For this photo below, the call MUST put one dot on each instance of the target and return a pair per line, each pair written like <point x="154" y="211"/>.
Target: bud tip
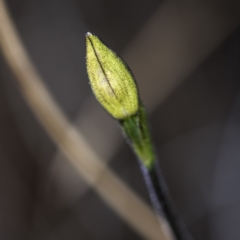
<point x="88" y="34"/>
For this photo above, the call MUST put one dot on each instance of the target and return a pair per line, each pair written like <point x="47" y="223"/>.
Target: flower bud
<point x="111" y="80"/>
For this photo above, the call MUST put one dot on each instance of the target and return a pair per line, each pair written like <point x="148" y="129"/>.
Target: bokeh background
<point x="185" y="56"/>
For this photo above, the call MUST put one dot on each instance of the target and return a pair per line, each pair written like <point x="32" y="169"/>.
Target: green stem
<point x="135" y="129"/>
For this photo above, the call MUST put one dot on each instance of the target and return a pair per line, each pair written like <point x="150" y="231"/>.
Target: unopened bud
<point x="111" y="80"/>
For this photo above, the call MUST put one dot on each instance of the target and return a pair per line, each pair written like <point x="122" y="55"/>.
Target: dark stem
<point x="161" y="200"/>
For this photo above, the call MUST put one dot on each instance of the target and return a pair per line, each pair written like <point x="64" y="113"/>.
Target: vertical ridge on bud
<point x="111" y="80"/>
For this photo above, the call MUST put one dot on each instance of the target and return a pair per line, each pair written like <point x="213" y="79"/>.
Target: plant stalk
<point x="135" y="129"/>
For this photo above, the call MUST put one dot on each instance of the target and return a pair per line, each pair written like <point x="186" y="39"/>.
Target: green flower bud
<point x="111" y="80"/>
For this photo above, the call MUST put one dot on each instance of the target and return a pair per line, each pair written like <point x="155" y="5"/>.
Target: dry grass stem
<point x="112" y="190"/>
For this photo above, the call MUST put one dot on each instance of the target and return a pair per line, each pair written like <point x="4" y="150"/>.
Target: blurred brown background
<point x="185" y="56"/>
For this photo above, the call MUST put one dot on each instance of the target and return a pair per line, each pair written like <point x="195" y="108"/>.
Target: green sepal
<point x="136" y="130"/>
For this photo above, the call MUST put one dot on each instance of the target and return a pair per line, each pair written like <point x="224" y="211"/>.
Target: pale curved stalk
<point x="111" y="189"/>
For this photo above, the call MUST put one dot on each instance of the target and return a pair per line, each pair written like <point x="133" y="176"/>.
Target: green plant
<point x="115" y="88"/>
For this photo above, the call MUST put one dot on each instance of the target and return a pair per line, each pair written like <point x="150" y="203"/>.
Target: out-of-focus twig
<point x="112" y="190"/>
